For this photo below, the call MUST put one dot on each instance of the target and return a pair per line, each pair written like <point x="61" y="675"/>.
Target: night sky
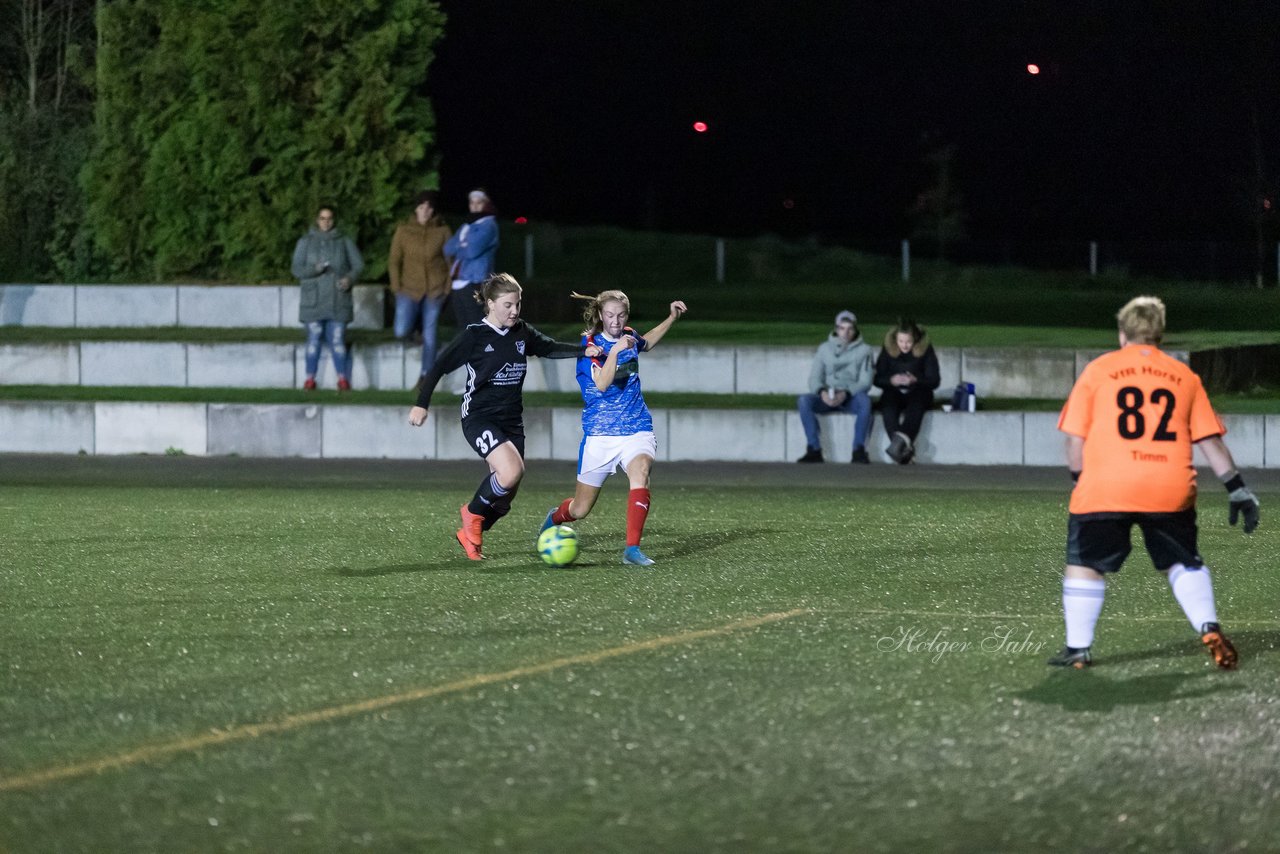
<point x="1141" y="124"/>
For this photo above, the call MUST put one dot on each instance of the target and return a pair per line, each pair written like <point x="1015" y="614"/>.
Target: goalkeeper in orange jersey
<point x="1131" y="421"/>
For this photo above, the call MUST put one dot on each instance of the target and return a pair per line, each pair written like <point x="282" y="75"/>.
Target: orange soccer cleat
<point x="471" y="534"/>
<point x="1077" y="658"/>
<point x="1224" y="654"/>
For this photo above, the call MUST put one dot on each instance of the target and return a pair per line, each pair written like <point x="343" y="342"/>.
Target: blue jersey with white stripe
<point x="620" y="409"/>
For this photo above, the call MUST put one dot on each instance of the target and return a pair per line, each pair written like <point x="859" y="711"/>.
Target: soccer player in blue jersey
<point x="495" y="352"/>
<point x="617" y="430"/>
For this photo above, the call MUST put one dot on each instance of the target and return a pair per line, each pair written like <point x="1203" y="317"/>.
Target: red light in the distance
<point x="700" y="127"/>
<point x="1032" y="68"/>
<point x="521" y="221"/>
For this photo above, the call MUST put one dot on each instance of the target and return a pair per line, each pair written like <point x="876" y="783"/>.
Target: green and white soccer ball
<point x="558" y="545"/>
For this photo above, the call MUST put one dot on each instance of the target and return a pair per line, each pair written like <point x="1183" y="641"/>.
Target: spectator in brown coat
<point x="419" y="274"/>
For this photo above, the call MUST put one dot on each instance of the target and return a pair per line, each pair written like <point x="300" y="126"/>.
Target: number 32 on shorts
<point x="485" y="442"/>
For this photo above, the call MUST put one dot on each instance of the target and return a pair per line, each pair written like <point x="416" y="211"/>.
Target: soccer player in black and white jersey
<point x="495" y="353"/>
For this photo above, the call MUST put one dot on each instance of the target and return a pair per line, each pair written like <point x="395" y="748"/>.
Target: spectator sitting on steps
<point x="907" y="372"/>
<point x="839" y="378"/>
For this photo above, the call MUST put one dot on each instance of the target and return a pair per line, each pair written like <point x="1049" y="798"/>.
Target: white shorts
<point x="600" y="456"/>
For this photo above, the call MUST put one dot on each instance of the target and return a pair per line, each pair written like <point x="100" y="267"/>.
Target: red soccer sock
<point x="637" y="512"/>
<point x="561" y="514"/>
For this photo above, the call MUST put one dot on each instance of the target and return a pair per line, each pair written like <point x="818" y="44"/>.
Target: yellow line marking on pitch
<point x="291" y="722"/>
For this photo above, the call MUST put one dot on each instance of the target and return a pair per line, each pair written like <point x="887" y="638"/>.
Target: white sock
<point x="1081" y="605"/>
<point x="1194" y="591"/>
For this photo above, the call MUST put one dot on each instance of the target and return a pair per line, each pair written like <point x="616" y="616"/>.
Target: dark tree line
<point x="46" y="107"/>
<point x="153" y="139"/>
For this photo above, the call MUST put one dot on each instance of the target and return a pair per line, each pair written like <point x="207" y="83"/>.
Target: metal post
<point x="906" y="260"/>
<point x="1093" y="258"/>
<point x="720" y="260"/>
<point x="528" y="256"/>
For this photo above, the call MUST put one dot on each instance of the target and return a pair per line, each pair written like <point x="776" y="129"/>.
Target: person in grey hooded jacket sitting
<point x="839" y="378"/>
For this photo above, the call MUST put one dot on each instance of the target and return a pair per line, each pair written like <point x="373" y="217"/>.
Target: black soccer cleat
<point x="1224" y="654"/>
<point x="1072" y="656"/>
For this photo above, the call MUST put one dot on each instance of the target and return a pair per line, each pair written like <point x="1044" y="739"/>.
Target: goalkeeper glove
<point x="1243" y="501"/>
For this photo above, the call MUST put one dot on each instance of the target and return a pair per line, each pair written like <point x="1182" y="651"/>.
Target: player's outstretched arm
<point x="654" y="335"/>
<point x="1242" y="500"/>
<point x="603" y="374"/>
<point x="546" y="347"/>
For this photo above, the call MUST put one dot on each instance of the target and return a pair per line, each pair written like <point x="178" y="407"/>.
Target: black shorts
<point x="1100" y="541"/>
<point x="484" y="433"/>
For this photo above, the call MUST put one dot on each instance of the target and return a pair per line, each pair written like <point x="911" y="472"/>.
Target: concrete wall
<point x="241" y="366"/>
<point x="261" y="430"/>
<point x="241" y="306"/>
<point x="227" y="306"/>
<point x="150" y="428"/>
<point x="313" y="430"/>
<point x="40" y="364"/>
<point x="711" y="370"/>
<point x="37" y="305"/>
<point x="124" y="305"/>
<point x="47" y="427"/>
<point x="380" y="432"/>
<point x="133" y="363"/>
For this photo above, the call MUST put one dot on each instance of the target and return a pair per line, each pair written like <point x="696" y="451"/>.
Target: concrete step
<point x="1026" y="373"/>
<point x="342" y="431"/>
<point x="221" y="306"/>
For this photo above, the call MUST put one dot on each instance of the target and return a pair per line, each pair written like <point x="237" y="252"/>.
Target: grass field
<point x="210" y="655"/>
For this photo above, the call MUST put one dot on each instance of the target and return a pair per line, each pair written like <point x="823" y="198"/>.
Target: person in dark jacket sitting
<point x="907" y="372"/>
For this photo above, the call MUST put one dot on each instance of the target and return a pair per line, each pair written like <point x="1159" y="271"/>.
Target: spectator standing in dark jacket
<point x="907" y="372"/>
